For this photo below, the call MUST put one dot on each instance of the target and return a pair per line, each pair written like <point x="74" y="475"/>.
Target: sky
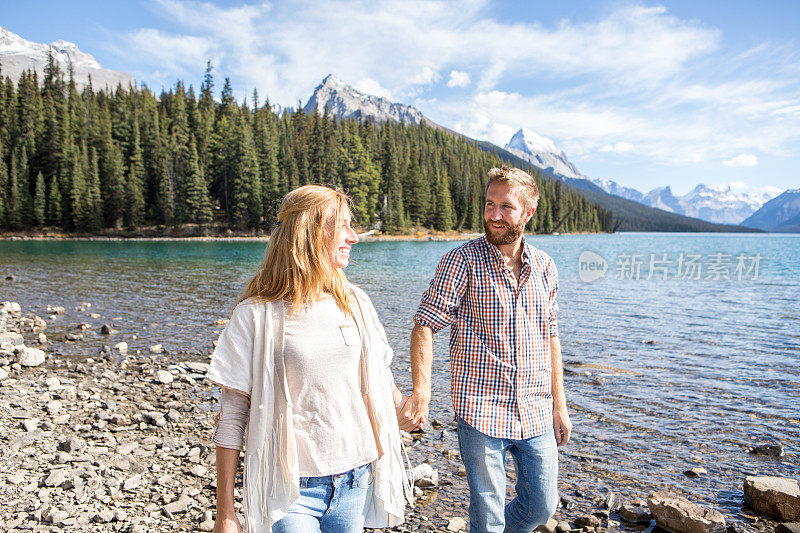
<point x="647" y="94"/>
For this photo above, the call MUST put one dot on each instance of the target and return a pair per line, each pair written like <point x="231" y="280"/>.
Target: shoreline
<point x="121" y="441"/>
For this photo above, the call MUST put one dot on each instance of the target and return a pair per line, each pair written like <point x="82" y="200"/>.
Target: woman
<point x="304" y="364"/>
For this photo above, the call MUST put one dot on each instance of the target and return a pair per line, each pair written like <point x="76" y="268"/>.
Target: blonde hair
<point x="297" y="266"/>
<point x="530" y="192"/>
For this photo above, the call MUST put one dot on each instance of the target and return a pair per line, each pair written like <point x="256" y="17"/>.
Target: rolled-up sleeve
<point x="440" y="303"/>
<point x="552" y="303"/>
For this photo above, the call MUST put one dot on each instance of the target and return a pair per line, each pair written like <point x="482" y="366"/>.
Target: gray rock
<point x="563" y="527"/>
<point x="181" y="505"/>
<point x="588" y="521"/>
<point x="73" y="337"/>
<point x="695" y="472"/>
<point x="30" y="424"/>
<point x="72" y="444"/>
<point x="132" y="483"/>
<point x="3" y="374"/>
<point x="104" y="516"/>
<point x="678" y="514"/>
<point x="769" y="450"/>
<point x="778" y="497"/>
<point x="31" y="356"/>
<point x="425" y="476"/>
<point x="635" y="512"/>
<point x="456" y="524"/>
<point x="163" y="377"/>
<point x="788" y="528"/>
<point x="55" y="478"/>
<point x="15" y="339"/>
<point x="549" y="527"/>
<point x="199" y="471"/>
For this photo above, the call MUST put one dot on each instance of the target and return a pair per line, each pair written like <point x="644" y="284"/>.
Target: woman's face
<point x="340" y="239"/>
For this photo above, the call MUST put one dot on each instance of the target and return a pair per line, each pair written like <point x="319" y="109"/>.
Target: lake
<point x="681" y="350"/>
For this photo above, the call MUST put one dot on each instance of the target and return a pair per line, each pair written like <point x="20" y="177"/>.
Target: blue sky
<point x="647" y="94"/>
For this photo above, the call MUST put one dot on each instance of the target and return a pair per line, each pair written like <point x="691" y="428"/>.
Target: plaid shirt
<point x="500" y="336"/>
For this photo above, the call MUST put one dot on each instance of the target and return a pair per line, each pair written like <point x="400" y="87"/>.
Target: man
<point x="499" y="295"/>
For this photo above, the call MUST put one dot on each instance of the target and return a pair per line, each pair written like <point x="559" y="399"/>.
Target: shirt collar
<point x="495" y="252"/>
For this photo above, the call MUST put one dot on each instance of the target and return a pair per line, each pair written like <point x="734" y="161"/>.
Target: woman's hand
<point x="227" y="524"/>
<point x="399" y="406"/>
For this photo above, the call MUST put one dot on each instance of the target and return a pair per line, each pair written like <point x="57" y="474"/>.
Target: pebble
<point x="164" y="377"/>
<point x="156" y="348"/>
<point x="31" y="356"/>
<point x="72" y="444"/>
<point x="199" y="471"/>
<point x="456" y="524"/>
<point x="768" y="450"/>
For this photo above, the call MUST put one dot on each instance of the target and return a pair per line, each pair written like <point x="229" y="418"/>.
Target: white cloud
<point x="742" y="160"/>
<point x="618" y="147"/>
<point x="458" y="78"/>
<point x="370" y="86"/>
<point x="635" y="73"/>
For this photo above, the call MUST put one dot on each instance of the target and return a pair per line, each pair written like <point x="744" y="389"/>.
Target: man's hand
<point x="413" y="413"/>
<point x="227" y="524"/>
<point x="562" y="426"/>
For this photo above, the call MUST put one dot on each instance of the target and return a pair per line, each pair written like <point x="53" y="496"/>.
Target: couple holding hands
<point x="306" y="384"/>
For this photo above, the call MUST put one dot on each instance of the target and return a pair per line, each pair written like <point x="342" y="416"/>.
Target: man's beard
<point x="511" y="234"/>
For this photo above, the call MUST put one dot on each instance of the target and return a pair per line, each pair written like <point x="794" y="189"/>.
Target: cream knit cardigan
<point x="249" y="358"/>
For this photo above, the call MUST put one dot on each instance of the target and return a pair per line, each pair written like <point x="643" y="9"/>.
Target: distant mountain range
<point x="719" y="205"/>
<point x="781" y="214"/>
<point x="526" y="146"/>
<point x="18" y="55"/>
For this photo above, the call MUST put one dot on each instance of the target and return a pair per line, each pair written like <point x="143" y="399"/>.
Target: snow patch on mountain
<point x="18" y="55"/>
<point x="344" y="101"/>
<point x="541" y="152"/>
<point x="721" y="204"/>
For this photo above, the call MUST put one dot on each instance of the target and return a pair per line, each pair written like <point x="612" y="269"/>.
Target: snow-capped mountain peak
<point x="18" y="55"/>
<point x="541" y="152"/>
<point x="344" y="101"/>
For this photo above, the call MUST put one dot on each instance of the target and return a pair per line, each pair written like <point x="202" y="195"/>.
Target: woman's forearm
<point x="227" y="464"/>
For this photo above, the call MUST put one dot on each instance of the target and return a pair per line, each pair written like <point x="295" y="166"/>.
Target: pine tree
<point x="95" y="221"/>
<point x="361" y="179"/>
<point x="39" y="201"/>
<point x="246" y="199"/>
<point x="198" y="206"/>
<point x="443" y="216"/>
<point x="417" y="193"/>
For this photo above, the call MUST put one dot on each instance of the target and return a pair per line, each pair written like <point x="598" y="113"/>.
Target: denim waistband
<point x="350" y="477"/>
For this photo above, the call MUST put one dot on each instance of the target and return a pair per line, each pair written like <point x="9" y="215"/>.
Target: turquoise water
<point x="662" y="374"/>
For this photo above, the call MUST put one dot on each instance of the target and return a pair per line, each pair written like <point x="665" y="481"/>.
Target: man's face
<point x="504" y="216"/>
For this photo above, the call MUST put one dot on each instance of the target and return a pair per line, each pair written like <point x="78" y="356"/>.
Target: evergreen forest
<point x="87" y="161"/>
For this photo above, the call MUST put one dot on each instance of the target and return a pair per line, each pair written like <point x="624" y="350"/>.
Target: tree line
<point x="87" y="160"/>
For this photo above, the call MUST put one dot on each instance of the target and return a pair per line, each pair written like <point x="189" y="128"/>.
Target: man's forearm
<point x="557" y="374"/>
<point x="227" y="464"/>
<point x="421" y="360"/>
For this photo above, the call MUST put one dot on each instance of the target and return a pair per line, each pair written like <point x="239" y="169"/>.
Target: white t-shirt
<point x="322" y="353"/>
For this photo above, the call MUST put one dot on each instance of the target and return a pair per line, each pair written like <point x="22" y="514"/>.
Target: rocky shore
<point x="121" y="441"/>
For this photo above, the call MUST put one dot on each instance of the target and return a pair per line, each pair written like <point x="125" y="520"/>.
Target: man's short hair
<point x="529" y="193"/>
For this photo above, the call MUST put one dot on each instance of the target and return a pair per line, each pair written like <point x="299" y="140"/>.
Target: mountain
<point x="344" y="101"/>
<point x="718" y="204"/>
<point x="541" y="152"/>
<point x="612" y="187"/>
<point x="782" y="213"/>
<point x="18" y="55"/>
<point x="525" y="149"/>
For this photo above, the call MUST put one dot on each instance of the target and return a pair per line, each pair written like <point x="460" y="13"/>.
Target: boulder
<point x="635" y="512"/>
<point x="14" y="339"/>
<point x="778" y="497"/>
<point x="456" y="524"/>
<point x="678" y="514"/>
<point x="425" y="476"/>
<point x="588" y="520"/>
<point x="31" y="356"/>
<point x="788" y="528"/>
<point x="549" y="527"/>
<point x="769" y="450"/>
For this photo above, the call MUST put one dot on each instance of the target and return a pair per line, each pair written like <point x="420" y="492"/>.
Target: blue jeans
<point x="335" y="504"/>
<point x="536" y="461"/>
